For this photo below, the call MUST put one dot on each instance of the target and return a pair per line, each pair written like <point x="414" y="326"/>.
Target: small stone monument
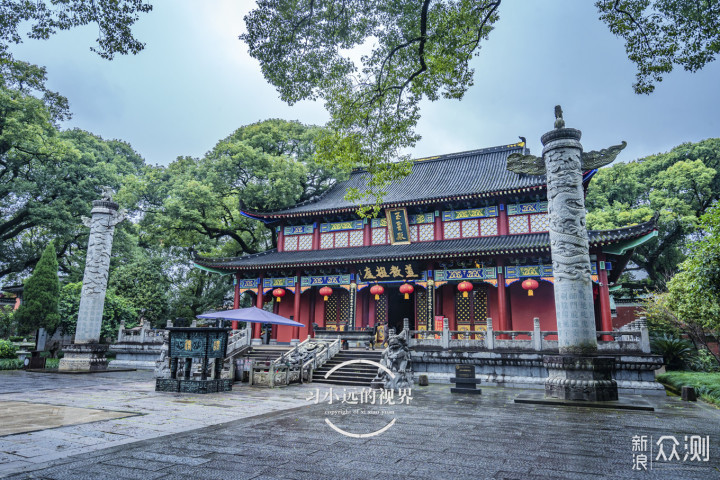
<point x="577" y="373"/>
<point x="465" y="380"/>
<point x="86" y="352"/>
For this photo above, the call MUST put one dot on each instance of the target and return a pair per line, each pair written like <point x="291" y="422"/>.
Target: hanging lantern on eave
<point x="377" y="290"/>
<point x="465" y="287"/>
<point x="530" y="284"/>
<point x="407" y="289"/>
<point x="278" y="293"/>
<point x="326" y="292"/>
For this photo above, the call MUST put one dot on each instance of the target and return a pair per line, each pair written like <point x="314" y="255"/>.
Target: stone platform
<point x="84" y="357"/>
<point x="634" y="372"/>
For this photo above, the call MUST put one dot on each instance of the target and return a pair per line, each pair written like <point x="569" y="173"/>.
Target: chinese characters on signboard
<point x="648" y="453"/>
<point x="398" y="226"/>
<point x="389" y="271"/>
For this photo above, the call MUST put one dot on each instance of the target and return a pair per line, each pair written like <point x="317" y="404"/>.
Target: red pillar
<point x="276" y="311"/>
<point x="316" y="236"/>
<point x="438" y="227"/>
<point x="503" y="226"/>
<point x="236" y="299"/>
<point x="367" y="235"/>
<point x="311" y="318"/>
<point x="296" y="308"/>
<point x="503" y="323"/>
<point x="281" y="240"/>
<point x="604" y="293"/>
<point x="259" y="304"/>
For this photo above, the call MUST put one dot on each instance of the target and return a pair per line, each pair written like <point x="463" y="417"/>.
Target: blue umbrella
<point x="251" y="315"/>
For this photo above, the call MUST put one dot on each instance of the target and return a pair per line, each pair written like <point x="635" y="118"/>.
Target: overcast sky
<point x="195" y="83"/>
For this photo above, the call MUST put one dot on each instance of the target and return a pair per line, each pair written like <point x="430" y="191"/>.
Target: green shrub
<point x="52" y="363"/>
<point x="16" y="338"/>
<point x="707" y="385"/>
<point x="10" y="364"/>
<point x="704" y="361"/>
<point x="8" y="325"/>
<point x="676" y="351"/>
<point x="7" y="349"/>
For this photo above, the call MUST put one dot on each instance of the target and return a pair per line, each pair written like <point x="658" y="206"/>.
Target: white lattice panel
<point x="291" y="243"/>
<point x="326" y="240"/>
<point x="356" y="238"/>
<point x="413" y="233"/>
<point x="539" y="223"/>
<point x="305" y="242"/>
<point x="519" y="224"/>
<point x="379" y="236"/>
<point x="341" y="239"/>
<point x="426" y="233"/>
<point x="470" y="228"/>
<point x="452" y="230"/>
<point x="488" y="227"/>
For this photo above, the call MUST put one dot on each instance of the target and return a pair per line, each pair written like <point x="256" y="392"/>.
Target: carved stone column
<point x="87" y="353"/>
<point x="575" y="374"/>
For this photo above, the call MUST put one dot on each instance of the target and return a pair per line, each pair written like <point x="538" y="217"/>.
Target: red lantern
<point x="465" y="287"/>
<point x="407" y="289"/>
<point x="377" y="290"/>
<point x="279" y="293"/>
<point x="326" y="292"/>
<point x="530" y="284"/>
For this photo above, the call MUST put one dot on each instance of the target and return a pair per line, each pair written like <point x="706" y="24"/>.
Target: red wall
<point x="524" y="308"/>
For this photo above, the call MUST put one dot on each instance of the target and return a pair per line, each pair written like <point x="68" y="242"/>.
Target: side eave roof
<point x="444" y="249"/>
<point x="473" y="174"/>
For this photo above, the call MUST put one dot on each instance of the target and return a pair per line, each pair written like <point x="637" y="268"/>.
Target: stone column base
<point x="575" y="377"/>
<point x="84" y="357"/>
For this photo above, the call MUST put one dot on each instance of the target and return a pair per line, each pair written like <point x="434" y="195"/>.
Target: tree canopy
<point x="676" y="187"/>
<point x="422" y="50"/>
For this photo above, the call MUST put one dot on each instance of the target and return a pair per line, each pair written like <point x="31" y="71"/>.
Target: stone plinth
<point x="575" y="377"/>
<point x="84" y="357"/>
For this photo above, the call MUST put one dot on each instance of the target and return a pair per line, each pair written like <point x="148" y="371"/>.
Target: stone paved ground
<point x="438" y="435"/>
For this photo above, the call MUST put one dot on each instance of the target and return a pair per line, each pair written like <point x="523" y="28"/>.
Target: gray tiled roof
<point x="466" y="247"/>
<point x="474" y="173"/>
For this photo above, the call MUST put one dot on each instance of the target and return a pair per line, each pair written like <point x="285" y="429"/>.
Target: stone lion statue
<point x="395" y="358"/>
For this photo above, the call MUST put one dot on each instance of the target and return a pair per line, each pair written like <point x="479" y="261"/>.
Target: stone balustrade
<point x="635" y="340"/>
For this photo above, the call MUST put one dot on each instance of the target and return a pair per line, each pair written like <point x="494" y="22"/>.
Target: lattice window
<point x="381" y="307"/>
<point x="462" y="308"/>
<point x="426" y="232"/>
<point x="488" y="227"/>
<point x="480" y="305"/>
<point x="291" y="243"/>
<point x="356" y="238"/>
<point x="344" y="307"/>
<point x="379" y="236"/>
<point x="539" y="222"/>
<point x="452" y="230"/>
<point x="331" y="309"/>
<point x="341" y="239"/>
<point x="421" y="308"/>
<point x="327" y="240"/>
<point x="470" y="228"/>
<point x="304" y="242"/>
<point x="413" y="233"/>
<point x="519" y="224"/>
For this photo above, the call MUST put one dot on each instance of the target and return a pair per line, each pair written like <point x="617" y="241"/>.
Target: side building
<point x="467" y="241"/>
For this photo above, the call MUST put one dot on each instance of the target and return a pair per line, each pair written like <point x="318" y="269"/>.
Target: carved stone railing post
<point x="536" y="335"/>
<point x="490" y="336"/>
<point x="446" y="333"/>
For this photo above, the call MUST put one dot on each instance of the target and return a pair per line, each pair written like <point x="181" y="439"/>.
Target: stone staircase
<point x="266" y="353"/>
<point x="358" y="375"/>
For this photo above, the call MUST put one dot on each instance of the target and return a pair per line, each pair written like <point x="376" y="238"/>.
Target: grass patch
<point x="52" y="363"/>
<point x="10" y="364"/>
<point x="707" y="385"/>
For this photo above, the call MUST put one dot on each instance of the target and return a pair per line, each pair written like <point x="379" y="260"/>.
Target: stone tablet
<point x="465" y="380"/>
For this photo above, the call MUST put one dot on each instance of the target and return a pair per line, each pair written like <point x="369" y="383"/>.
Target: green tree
<point x="144" y="285"/>
<point x="114" y="20"/>
<point x="39" y="308"/>
<point x="116" y="310"/>
<point x="676" y="187"/>
<point x="195" y="203"/>
<point x="422" y="50"/>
